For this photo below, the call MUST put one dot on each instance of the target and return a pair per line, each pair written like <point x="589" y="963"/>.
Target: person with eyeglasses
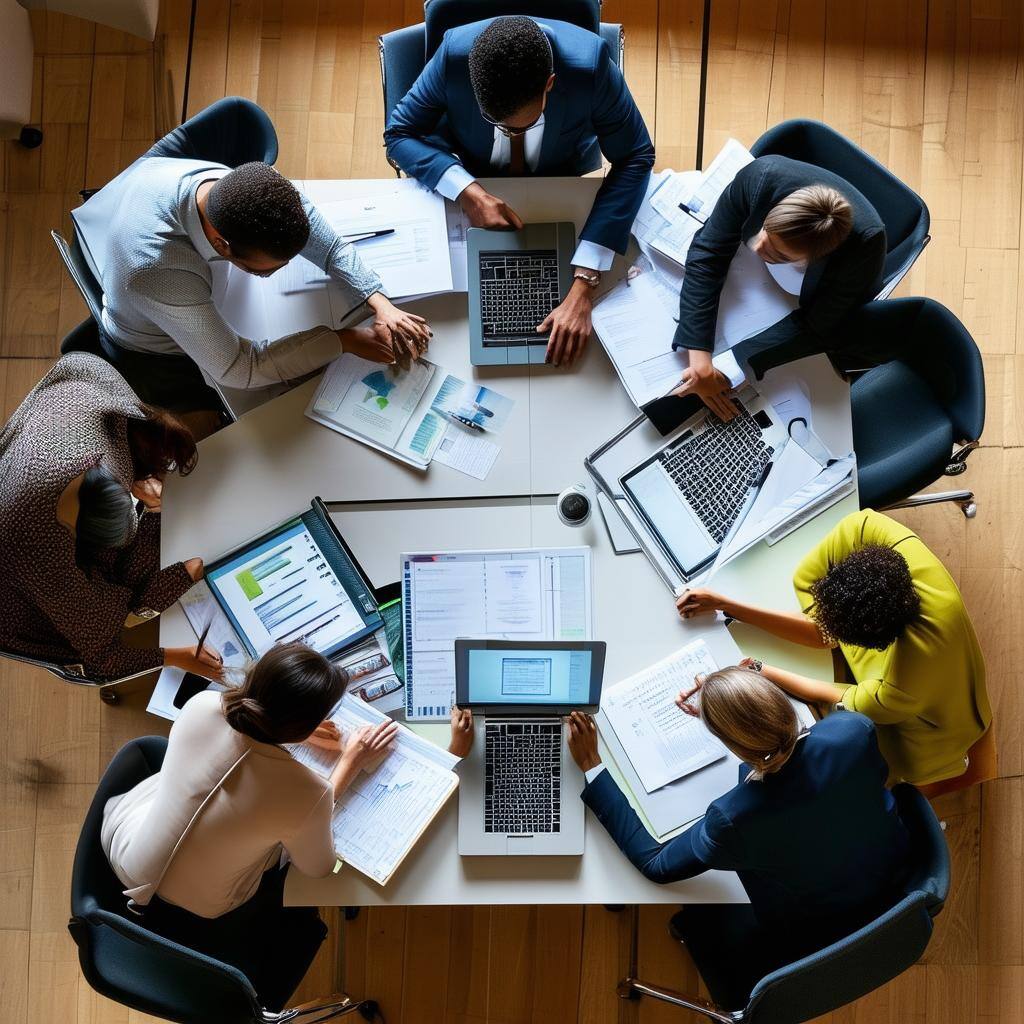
<point x="168" y="222"/>
<point x="515" y="96"/>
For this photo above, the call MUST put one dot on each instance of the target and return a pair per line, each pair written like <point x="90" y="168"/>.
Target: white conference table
<point x="271" y="462"/>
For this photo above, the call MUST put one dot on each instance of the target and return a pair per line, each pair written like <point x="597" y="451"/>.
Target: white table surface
<point x="268" y="465"/>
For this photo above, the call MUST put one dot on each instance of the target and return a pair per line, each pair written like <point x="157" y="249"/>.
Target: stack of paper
<point x="662" y="743"/>
<point x="383" y="813"/>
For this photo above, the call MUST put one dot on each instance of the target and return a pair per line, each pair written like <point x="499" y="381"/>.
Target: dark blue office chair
<point x="131" y="965"/>
<point x="404" y="53"/>
<point x="902" y="210"/>
<point x="910" y="413"/>
<point x="232" y="131"/>
<point x="743" y="993"/>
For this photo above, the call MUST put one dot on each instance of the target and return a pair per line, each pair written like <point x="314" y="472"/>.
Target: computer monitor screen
<point x="282" y="588"/>
<point x="550" y="675"/>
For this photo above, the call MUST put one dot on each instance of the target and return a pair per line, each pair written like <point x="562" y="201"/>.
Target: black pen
<point x="203" y="636"/>
<point x="359" y="236"/>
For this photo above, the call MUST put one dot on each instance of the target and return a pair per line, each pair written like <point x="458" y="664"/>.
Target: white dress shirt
<point x="456" y="178"/>
<point x="593" y="773"/>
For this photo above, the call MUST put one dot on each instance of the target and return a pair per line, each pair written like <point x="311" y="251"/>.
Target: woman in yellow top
<point x="874" y="589"/>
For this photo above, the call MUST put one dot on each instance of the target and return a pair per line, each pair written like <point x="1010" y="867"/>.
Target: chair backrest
<point x="81" y="273"/>
<point x="232" y="131"/>
<point x="441" y="15"/>
<point x="902" y="210"/>
<point x="878" y="952"/>
<point x="119" y="957"/>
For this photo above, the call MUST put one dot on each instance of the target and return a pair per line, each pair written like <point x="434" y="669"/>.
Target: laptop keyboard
<point x="522" y="777"/>
<point x="517" y="292"/>
<point x="715" y="469"/>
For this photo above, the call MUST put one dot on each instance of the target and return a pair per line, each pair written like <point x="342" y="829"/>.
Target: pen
<point x="359" y="236"/>
<point x="203" y="636"/>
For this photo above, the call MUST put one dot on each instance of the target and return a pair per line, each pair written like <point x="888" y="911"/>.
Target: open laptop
<point x="296" y="582"/>
<point x="515" y="279"/>
<point x="519" y="791"/>
<point x="692" y="491"/>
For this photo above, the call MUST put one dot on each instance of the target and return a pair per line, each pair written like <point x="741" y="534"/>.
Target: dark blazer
<point x="439" y="122"/>
<point x="833" y="287"/>
<point x="819" y="846"/>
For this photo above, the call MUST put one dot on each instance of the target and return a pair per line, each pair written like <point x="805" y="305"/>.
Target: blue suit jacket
<point x="439" y="123"/>
<point x="819" y="846"/>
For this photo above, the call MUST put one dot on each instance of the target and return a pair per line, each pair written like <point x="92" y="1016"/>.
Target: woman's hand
<point x="372" y="343"/>
<point x="410" y="334"/>
<point x="194" y="567"/>
<point x="583" y="741"/>
<point x="149" y="492"/>
<point x="699" y="601"/>
<point x="462" y="732"/>
<point x="685" y="696"/>
<point x="710" y="385"/>
<point x="368" y="743"/>
<point x="326" y="736"/>
<point x="207" y="663"/>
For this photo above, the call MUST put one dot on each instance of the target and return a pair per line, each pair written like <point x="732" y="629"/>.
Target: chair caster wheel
<point x="350" y="913"/>
<point x="30" y="138"/>
<point x="368" y="1010"/>
<point x="109" y="697"/>
<point x="970" y="509"/>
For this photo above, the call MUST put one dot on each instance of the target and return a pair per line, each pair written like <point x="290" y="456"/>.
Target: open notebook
<point x="382" y="815"/>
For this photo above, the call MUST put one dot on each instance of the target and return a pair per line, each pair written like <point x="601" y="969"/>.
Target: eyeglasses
<point x="511" y="133"/>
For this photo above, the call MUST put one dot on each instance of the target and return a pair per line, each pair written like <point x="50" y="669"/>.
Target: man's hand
<point x="487" y="211"/>
<point x="373" y="343"/>
<point x="684" y="697"/>
<point x="699" y="601"/>
<point x="462" y="732"/>
<point x="583" y="741"/>
<point x="569" y="324"/>
<point x="710" y="385"/>
<point x="368" y="743"/>
<point x="149" y="492"/>
<point x="410" y="334"/>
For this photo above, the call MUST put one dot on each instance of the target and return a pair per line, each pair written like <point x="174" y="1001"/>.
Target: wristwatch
<point x="592" y="277"/>
<point x="756" y="665"/>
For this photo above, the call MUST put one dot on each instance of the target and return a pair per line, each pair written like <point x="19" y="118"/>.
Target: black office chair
<point x="745" y="991"/>
<point x="902" y="210"/>
<point x="124" y="961"/>
<point x="232" y="131"/>
<point x="404" y="53"/>
<point x="919" y="416"/>
<point x="81" y="273"/>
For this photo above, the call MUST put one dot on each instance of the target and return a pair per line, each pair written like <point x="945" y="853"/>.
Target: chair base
<point x="965" y="499"/>
<point x="633" y="989"/>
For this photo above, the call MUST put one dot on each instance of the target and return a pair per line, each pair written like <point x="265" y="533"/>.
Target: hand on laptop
<point x="583" y="741"/>
<point x="487" y="211"/>
<point x="710" y="385"/>
<point x="699" y="601"/>
<point x="462" y="732"/>
<point x="569" y="324"/>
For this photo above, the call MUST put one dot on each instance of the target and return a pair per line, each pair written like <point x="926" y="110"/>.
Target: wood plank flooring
<point x="933" y="88"/>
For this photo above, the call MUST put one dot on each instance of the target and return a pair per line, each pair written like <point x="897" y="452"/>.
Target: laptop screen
<point x="506" y="674"/>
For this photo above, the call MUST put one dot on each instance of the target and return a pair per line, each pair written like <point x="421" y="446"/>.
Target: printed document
<point x="662" y="742"/>
<point x="466" y="452"/>
<point x="530" y="594"/>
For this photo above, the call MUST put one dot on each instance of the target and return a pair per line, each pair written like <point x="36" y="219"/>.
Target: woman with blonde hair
<point x="810" y="827"/>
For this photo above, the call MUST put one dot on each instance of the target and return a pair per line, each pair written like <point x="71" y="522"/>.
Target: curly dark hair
<point x="867" y="599"/>
<point x="509" y="65"/>
<point x="258" y="210"/>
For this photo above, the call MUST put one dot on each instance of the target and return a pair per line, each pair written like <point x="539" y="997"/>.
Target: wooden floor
<point x="933" y="88"/>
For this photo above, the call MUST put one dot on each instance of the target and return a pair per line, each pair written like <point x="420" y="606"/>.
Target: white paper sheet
<point x="467" y="452"/>
<point x="731" y="159"/>
<point x="662" y="742"/>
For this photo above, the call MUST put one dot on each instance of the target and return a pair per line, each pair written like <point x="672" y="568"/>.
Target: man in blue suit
<point x="514" y="96"/>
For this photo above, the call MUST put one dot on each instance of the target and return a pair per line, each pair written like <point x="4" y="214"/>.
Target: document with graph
<point x="384" y="406"/>
<point x="380" y="817"/>
<point x="527" y="594"/>
<point x="662" y="742"/>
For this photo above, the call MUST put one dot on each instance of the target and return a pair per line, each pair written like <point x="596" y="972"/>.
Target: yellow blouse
<point x="926" y="691"/>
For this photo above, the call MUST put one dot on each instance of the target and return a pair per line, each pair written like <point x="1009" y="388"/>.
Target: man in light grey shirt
<point x="165" y="220"/>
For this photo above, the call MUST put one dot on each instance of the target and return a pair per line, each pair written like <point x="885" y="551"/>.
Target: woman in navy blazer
<point x="811" y="830"/>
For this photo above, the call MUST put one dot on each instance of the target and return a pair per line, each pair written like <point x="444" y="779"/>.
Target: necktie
<point x="517" y="155"/>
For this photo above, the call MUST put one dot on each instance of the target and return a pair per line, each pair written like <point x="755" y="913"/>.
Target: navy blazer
<point x="819" y="846"/>
<point x="833" y="286"/>
<point x="439" y="123"/>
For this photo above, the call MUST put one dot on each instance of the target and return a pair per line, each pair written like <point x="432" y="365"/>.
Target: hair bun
<point x="247" y="716"/>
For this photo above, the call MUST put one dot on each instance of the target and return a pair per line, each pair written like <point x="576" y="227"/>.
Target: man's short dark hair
<point x="868" y="599"/>
<point x="257" y="210"/>
<point x="509" y="66"/>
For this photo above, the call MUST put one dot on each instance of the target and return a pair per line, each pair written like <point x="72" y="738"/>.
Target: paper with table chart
<point x="662" y="742"/>
<point x="383" y="813"/>
<point x="527" y="594"/>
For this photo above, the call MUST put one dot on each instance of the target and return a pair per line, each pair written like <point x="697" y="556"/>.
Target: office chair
<point x="232" y="131"/>
<point x="135" y="967"/>
<point x="108" y="690"/>
<point x="81" y="273"/>
<point x="742" y="993"/>
<point x="916" y="417"/>
<point x="404" y="53"/>
<point x="902" y="210"/>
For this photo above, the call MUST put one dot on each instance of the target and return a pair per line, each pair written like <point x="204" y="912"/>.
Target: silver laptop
<point x="515" y="279"/>
<point x="694" y="489"/>
<point x="519" y="789"/>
